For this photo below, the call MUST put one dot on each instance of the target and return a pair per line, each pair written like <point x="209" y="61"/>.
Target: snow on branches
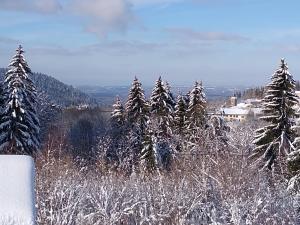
<point x="274" y="141"/>
<point x="19" y="124"/>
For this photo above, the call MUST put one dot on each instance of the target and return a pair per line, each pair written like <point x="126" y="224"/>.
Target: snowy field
<point x="17" y="190"/>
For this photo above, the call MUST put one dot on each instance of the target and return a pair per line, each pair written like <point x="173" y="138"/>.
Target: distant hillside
<point x="58" y="92"/>
<point x="106" y="95"/>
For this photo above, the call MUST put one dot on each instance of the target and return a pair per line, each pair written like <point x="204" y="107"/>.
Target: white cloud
<point x="6" y="40"/>
<point x="153" y="2"/>
<point x="189" y="34"/>
<point x="41" y="6"/>
<point x="104" y="16"/>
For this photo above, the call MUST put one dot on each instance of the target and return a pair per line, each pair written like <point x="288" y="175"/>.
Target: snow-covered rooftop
<point x="243" y="105"/>
<point x="17" y="205"/>
<point x="252" y="100"/>
<point x="235" y="111"/>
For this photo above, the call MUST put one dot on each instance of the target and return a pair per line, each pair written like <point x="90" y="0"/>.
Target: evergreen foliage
<point x="274" y="141"/>
<point x="171" y="99"/>
<point x="117" y="118"/>
<point x="162" y="109"/>
<point x="137" y="112"/>
<point x="180" y="114"/>
<point x="196" y="109"/>
<point x="137" y="109"/>
<point x="293" y="161"/>
<point x="148" y="154"/>
<point x="117" y="131"/>
<point x="19" y="125"/>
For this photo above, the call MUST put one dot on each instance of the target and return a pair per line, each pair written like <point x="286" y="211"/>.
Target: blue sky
<point x="108" y="42"/>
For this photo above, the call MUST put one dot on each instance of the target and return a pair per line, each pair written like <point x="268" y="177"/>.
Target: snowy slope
<point x="16" y="190"/>
<point x="58" y="92"/>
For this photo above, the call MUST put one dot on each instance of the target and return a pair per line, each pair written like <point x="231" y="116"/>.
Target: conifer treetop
<point x="274" y="141"/>
<point x="19" y="124"/>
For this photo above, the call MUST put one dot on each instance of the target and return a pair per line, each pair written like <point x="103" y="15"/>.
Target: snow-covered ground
<point x="17" y="205"/>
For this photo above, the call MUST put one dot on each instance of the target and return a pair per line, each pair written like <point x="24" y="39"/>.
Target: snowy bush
<point x="199" y="189"/>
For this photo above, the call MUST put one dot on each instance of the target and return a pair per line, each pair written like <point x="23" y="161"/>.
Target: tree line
<point x="148" y="133"/>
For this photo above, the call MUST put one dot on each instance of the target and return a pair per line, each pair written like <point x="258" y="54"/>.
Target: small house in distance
<point x="235" y="114"/>
<point x="248" y="110"/>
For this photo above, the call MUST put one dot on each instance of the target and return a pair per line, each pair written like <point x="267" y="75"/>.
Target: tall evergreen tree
<point x="137" y="108"/>
<point x="273" y="141"/>
<point x="171" y="101"/>
<point x="137" y="111"/>
<point x="117" y="131"/>
<point x="161" y="109"/>
<point x="19" y="125"/>
<point x="117" y="119"/>
<point x="148" y="154"/>
<point x="293" y="161"/>
<point x="196" y="109"/>
<point x="186" y="98"/>
<point x="180" y="115"/>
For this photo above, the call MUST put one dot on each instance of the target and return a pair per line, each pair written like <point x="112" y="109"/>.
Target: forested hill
<point x="58" y="92"/>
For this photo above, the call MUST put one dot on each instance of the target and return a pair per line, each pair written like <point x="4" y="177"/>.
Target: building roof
<point x="235" y="111"/>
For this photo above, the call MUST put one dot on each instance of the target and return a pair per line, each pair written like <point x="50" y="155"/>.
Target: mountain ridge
<point x="58" y="92"/>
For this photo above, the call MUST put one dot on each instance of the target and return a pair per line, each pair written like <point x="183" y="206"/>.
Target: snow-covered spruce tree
<point x="274" y="141"/>
<point x="293" y="161"/>
<point x="137" y="108"/>
<point x="186" y="98"/>
<point x="196" y="109"/>
<point x="162" y="119"/>
<point x="148" y="154"/>
<point x="117" y="130"/>
<point x="180" y="115"/>
<point x="19" y="125"/>
<point x="137" y="113"/>
<point x="161" y="109"/>
<point x="117" y="119"/>
<point x="171" y="101"/>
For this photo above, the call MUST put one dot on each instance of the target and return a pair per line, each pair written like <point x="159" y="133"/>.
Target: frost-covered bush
<point x="202" y="187"/>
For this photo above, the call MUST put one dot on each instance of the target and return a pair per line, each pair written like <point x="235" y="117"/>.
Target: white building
<point x="241" y="112"/>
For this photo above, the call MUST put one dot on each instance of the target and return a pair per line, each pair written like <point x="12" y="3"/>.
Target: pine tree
<point x="171" y="99"/>
<point x="186" y="98"/>
<point x="148" y="154"/>
<point x="117" y="132"/>
<point x="180" y="114"/>
<point x="273" y="141"/>
<point x="117" y="117"/>
<point x="161" y="109"/>
<point x="137" y="108"/>
<point x="293" y="160"/>
<point x="19" y="125"/>
<point x="196" y="109"/>
<point x="137" y="111"/>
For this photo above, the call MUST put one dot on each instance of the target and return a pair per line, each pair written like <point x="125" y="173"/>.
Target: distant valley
<point x="105" y="95"/>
